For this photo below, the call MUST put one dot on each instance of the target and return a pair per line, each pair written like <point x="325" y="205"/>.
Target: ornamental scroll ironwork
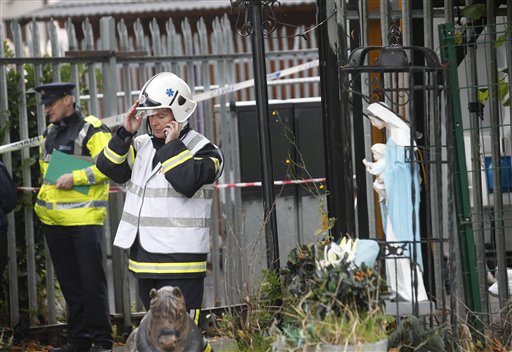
<point x="395" y="37"/>
<point x="269" y="19"/>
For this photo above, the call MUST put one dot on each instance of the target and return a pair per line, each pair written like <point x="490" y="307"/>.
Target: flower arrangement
<point x="330" y="297"/>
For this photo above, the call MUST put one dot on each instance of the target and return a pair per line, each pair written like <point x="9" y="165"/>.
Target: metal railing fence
<point x="108" y="70"/>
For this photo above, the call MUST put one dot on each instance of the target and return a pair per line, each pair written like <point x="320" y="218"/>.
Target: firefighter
<point x="73" y="221"/>
<point x="169" y="173"/>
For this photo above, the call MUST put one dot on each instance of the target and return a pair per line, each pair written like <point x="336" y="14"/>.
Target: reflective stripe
<point x="216" y="163"/>
<point x="194" y="142"/>
<point x="167" y="268"/>
<point x="72" y="205"/>
<point x="44" y="204"/>
<point x="44" y="153"/>
<point x="80" y="139"/>
<point x="90" y="175"/>
<point x="164" y="222"/>
<point x="208" y="347"/>
<point x="176" y="160"/>
<point x="194" y="314"/>
<point x="113" y="156"/>
<point x="131" y="157"/>
<point x="165" y="192"/>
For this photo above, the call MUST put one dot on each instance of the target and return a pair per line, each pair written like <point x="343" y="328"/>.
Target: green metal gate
<point x="479" y="60"/>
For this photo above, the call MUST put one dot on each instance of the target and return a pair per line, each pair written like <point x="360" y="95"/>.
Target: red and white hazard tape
<point x="114" y="189"/>
<point x="276" y="183"/>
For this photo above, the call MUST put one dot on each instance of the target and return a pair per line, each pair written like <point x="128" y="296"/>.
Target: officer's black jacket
<point x="62" y="136"/>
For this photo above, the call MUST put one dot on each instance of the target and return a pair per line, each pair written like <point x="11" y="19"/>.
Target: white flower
<point x="333" y="254"/>
<point x="349" y="248"/>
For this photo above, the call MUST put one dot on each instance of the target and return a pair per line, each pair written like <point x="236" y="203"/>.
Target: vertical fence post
<point x="337" y="126"/>
<point x="260" y="87"/>
<point x="14" y="311"/>
<point x="109" y="70"/>
<point x="108" y="42"/>
<point x="41" y="126"/>
<point x="91" y="69"/>
<point x="121" y="268"/>
<point x="73" y="67"/>
<point x="465" y="230"/>
<point x="27" y="180"/>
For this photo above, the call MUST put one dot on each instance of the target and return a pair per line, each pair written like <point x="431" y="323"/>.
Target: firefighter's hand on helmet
<point x="172" y="131"/>
<point x="131" y="121"/>
<point x="65" y="181"/>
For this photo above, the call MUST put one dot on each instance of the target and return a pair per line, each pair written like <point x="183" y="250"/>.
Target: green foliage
<point x="328" y="299"/>
<point x="412" y="336"/>
<point x="474" y="12"/>
<point x="351" y="327"/>
<point x="6" y="341"/>
<point x="500" y="40"/>
<point x="270" y="286"/>
<point x="336" y="286"/>
<point x="299" y="270"/>
<point x="249" y="326"/>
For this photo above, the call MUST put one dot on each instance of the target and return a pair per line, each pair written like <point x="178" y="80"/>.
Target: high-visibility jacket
<point x="84" y="137"/>
<point x="168" y="201"/>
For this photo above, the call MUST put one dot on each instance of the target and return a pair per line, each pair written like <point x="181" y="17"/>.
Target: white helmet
<point x="166" y="90"/>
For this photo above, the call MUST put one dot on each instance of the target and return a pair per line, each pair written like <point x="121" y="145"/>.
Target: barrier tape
<point x="118" y="119"/>
<point x="276" y="183"/>
<point x="26" y="143"/>
<point x="114" y="189"/>
<point x="250" y="82"/>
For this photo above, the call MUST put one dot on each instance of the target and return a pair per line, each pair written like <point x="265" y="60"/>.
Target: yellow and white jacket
<point x="84" y="137"/>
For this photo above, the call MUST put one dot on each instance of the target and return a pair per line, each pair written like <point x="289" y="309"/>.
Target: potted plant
<point x="331" y="301"/>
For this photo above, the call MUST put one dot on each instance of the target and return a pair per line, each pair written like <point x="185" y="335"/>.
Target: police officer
<point x="73" y="221"/>
<point x="166" y="215"/>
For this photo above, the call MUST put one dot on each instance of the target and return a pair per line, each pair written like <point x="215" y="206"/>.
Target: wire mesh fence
<point x="479" y="59"/>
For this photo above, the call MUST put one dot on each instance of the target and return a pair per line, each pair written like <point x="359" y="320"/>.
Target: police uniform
<point x="73" y="223"/>
<point x="166" y="216"/>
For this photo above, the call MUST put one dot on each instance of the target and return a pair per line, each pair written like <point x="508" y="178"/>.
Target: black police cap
<point x="53" y="91"/>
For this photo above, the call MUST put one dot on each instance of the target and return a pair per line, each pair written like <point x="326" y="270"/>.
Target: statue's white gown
<point x="399" y="181"/>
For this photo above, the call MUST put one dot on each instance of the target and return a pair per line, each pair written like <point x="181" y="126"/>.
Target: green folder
<point x="62" y="163"/>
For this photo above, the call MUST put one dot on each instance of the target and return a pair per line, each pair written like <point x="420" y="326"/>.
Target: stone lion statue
<point x="166" y="327"/>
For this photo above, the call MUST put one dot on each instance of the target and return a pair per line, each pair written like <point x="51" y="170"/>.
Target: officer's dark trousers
<point x="76" y="256"/>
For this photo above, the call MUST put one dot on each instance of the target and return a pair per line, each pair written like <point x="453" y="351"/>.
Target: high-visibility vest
<point x="167" y="221"/>
<point x="70" y="207"/>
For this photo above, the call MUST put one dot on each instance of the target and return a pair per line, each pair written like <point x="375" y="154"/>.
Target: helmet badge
<point x="169" y="92"/>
